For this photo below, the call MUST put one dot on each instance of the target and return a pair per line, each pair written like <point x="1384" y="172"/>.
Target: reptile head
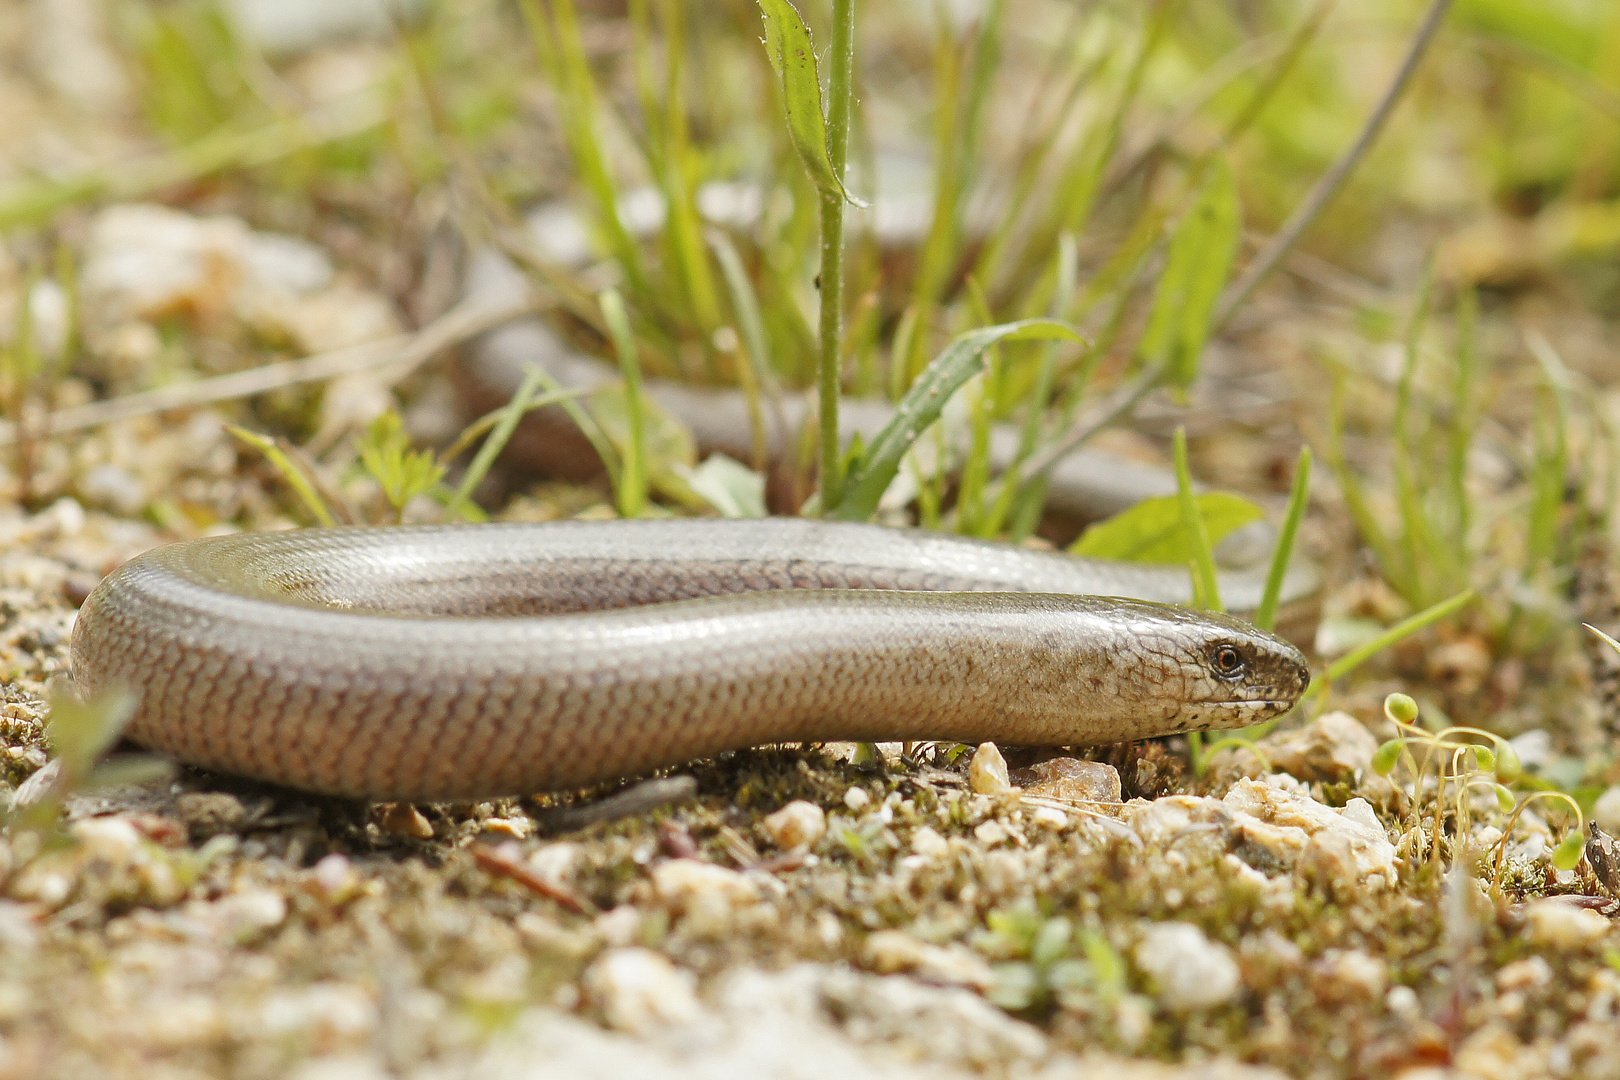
<point x="1240" y="675"/>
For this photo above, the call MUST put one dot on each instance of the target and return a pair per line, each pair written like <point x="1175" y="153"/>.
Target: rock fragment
<point x="797" y="826"/>
<point x="987" y="772"/>
<point x="1070" y="779"/>
<point x="1191" y="971"/>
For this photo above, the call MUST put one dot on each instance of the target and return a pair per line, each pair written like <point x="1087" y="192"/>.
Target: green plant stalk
<point x="840" y="93"/>
<point x="1403" y="629"/>
<point x="1465" y="422"/>
<point x="631" y="490"/>
<point x="754" y="373"/>
<point x="1419" y="548"/>
<point x="1355" y="499"/>
<point x="1011" y="493"/>
<point x="685" y="228"/>
<point x="1206" y="585"/>
<point x="289" y="472"/>
<point x="1265" y="616"/>
<point x="505" y="421"/>
<point x="1551" y="455"/>
<point x="586" y="423"/>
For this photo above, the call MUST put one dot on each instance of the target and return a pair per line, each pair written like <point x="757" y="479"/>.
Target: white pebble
<point x="1606" y="811"/>
<point x="798" y="825"/>
<point x="991" y="833"/>
<point x="987" y="772"/>
<point x="1049" y="817"/>
<point x="1192" y="972"/>
<point x="926" y="842"/>
<point x="857" y="799"/>
<point x="1563" y="926"/>
<point x="692" y="885"/>
<point x="639" y="991"/>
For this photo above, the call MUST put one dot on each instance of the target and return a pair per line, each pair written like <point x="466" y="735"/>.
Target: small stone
<point x="1360" y="811"/>
<point x="1049" y="817"/>
<point x="620" y="926"/>
<point x="1531" y="973"/>
<point x="517" y="828"/>
<point x="210" y="811"/>
<point x="1404" y="1002"/>
<point x="1342" y="850"/>
<point x="1562" y="926"/>
<point x="991" y="833"/>
<point x="797" y="826"/>
<point x="857" y="799"/>
<point x="554" y="862"/>
<point x="987" y="772"/>
<point x="1192" y="972"/>
<point x="1495" y="1053"/>
<point x="1335" y="746"/>
<point x="705" y="894"/>
<point x="1070" y="779"/>
<point x="403" y="819"/>
<point x="890" y="952"/>
<point x="112" y="839"/>
<point x="640" y="991"/>
<point x="334" y="878"/>
<point x="245" y="915"/>
<point x="928" y="843"/>
<point x="1350" y="975"/>
<point x="1606" y="811"/>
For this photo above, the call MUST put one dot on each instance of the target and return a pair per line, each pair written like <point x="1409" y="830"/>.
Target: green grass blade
<point x="754" y="373"/>
<point x="290" y="472"/>
<point x="631" y="490"/>
<point x="1206" y="585"/>
<point x="1265" y="617"/>
<point x="1400" y="631"/>
<point x="923" y="403"/>
<point x="504" y="422"/>
<point x="1200" y="261"/>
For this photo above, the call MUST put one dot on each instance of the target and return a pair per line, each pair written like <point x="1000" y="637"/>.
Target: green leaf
<point x="962" y="359"/>
<point x="793" y="57"/>
<point x="1051" y="942"/>
<point x="1508" y="766"/>
<point x="1017" y="986"/>
<point x="1567" y="854"/>
<point x="1199" y="263"/>
<point x="1152" y="530"/>
<point x="402" y="473"/>
<point x="727" y="485"/>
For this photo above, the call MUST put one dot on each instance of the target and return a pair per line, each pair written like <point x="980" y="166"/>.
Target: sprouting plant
<point x="402" y="473"/>
<point x="1465" y="767"/>
<point x="1049" y="961"/>
<point x="822" y="140"/>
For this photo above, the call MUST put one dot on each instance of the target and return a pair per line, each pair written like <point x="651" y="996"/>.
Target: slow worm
<point x="455" y="662"/>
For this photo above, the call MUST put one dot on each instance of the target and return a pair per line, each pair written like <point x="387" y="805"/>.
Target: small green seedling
<point x="1468" y="766"/>
<point x="401" y="472"/>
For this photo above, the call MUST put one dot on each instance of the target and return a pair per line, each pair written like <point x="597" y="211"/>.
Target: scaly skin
<point x="455" y="662"/>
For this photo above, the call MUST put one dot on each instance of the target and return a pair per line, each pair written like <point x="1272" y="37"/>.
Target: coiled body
<point x="450" y="662"/>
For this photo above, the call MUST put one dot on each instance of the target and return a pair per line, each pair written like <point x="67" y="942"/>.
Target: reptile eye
<point x="1228" y="661"/>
